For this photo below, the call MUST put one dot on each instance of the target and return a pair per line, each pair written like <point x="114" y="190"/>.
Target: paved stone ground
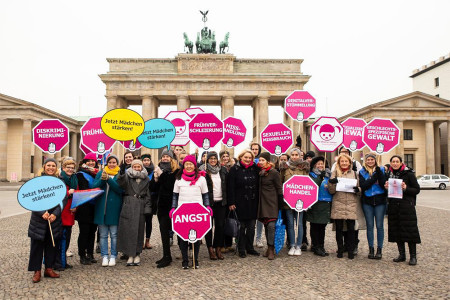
<point x="307" y="276"/>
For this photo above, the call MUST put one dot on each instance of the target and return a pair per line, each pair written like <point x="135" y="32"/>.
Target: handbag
<point x="280" y="231"/>
<point x="232" y="225"/>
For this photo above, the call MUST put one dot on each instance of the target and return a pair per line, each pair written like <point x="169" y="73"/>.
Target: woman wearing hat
<point x="294" y="166"/>
<point x="215" y="179"/>
<point x="190" y="186"/>
<point x="39" y="232"/>
<point x="148" y="165"/>
<point x="136" y="204"/>
<point x="344" y="205"/>
<point x="319" y="214"/>
<point x="243" y="196"/>
<point x="402" y="218"/>
<point x="107" y="208"/>
<point x="371" y="180"/>
<point x="87" y="171"/>
<point x="162" y="184"/>
<point x="270" y="200"/>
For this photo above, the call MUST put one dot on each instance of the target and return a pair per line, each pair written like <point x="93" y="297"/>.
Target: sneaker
<point x="112" y="262"/>
<point x="291" y="251"/>
<point x="259" y="244"/>
<point x="130" y="261"/>
<point x="185" y="265"/>
<point x="137" y="260"/>
<point x="105" y="261"/>
<point x="69" y="254"/>
<point x="297" y="251"/>
<point x="196" y="265"/>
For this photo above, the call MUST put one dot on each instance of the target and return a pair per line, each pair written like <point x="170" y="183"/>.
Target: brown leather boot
<point x="219" y="254"/>
<point x="147" y="244"/>
<point x="212" y="255"/>
<point x="50" y="273"/>
<point x="271" y="254"/>
<point x="36" y="276"/>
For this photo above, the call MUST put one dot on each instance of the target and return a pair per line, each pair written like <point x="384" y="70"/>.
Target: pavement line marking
<point x="434" y="207"/>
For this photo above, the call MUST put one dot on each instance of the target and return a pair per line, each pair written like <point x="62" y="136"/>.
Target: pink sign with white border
<point x="381" y="135"/>
<point x="179" y="119"/>
<point x="300" y="192"/>
<point x="234" y="132"/>
<point x="353" y="133"/>
<point x="276" y="138"/>
<point x="129" y="145"/>
<point x="50" y="135"/>
<point x="205" y="130"/>
<point x="93" y="137"/>
<point x="300" y="105"/>
<point x="191" y="221"/>
<point x="327" y="134"/>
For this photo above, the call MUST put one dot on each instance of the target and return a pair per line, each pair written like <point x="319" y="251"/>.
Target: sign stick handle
<point x="51" y="232"/>
<point x="193" y="255"/>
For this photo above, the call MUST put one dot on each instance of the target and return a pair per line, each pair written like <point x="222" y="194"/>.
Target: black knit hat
<point x="309" y="154"/>
<point x="211" y="154"/>
<point x="265" y="155"/>
<point x="146" y="155"/>
<point x="315" y="160"/>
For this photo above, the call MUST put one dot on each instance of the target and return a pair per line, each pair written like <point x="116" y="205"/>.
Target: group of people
<point x="248" y="187"/>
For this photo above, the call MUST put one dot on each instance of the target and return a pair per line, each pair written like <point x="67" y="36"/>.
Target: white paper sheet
<point x="346" y="185"/>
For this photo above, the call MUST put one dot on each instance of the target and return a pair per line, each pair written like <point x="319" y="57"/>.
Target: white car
<point x="433" y="181"/>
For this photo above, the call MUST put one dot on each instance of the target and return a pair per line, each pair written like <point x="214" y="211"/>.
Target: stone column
<point x="74" y="145"/>
<point x="255" y="129"/>
<point x="147" y="114"/>
<point x="37" y="160"/>
<point x="26" y="150"/>
<point x="111" y="102"/>
<point x="183" y="102"/>
<point x="437" y="148"/>
<point x="400" y="149"/>
<point x="228" y="111"/>
<point x="263" y="112"/>
<point x="429" y="147"/>
<point x="58" y="156"/>
<point x="3" y="149"/>
<point x="65" y="151"/>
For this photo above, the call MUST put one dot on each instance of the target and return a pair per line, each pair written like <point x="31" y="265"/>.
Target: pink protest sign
<point x="327" y="134"/>
<point x="192" y="111"/>
<point x="179" y="119"/>
<point x="276" y="138"/>
<point x="50" y="135"/>
<point x="300" y="192"/>
<point x="381" y="135"/>
<point x="300" y="105"/>
<point x="353" y="132"/>
<point x="205" y="130"/>
<point x="234" y="132"/>
<point x="93" y="137"/>
<point x="191" y="221"/>
<point x="129" y="145"/>
<point x="84" y="149"/>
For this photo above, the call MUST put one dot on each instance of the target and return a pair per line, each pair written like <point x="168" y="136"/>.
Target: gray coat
<point x="136" y="203"/>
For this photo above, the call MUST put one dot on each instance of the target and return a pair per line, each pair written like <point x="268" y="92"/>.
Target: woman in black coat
<point x="402" y="218"/>
<point x="39" y="232"/>
<point x="243" y="196"/>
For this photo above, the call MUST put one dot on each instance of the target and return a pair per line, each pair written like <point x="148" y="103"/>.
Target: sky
<point x="356" y="52"/>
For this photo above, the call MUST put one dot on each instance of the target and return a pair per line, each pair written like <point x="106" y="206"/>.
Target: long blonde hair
<point x="339" y="171"/>
<point x="243" y="152"/>
<point x="370" y="170"/>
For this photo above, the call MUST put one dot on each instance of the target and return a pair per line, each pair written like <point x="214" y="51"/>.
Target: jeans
<point x="291" y="216"/>
<point x="259" y="228"/>
<point x="377" y="212"/>
<point x="104" y="230"/>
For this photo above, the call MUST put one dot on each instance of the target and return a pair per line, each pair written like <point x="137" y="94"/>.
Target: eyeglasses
<point x="70" y="168"/>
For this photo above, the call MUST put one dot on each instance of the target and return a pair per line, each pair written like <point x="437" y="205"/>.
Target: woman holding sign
<point x="190" y="186"/>
<point x="372" y="179"/>
<point x="402" y="218"/>
<point x="41" y="234"/>
<point x="343" y="185"/>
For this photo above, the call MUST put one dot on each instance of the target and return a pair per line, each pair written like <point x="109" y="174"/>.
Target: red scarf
<point x="265" y="169"/>
<point x="190" y="176"/>
<point x="345" y="170"/>
<point x="402" y="167"/>
<point x="245" y="165"/>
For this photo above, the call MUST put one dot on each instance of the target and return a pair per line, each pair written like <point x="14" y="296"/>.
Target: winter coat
<point x="243" y="190"/>
<point x="402" y="217"/>
<point x="344" y="205"/>
<point x="320" y="212"/>
<point x="164" y="189"/>
<point x="67" y="217"/>
<point x="372" y="188"/>
<point x="270" y="195"/>
<point x="285" y="174"/>
<point x="85" y="212"/>
<point x="136" y="204"/>
<point x="223" y="175"/>
<point x="109" y="204"/>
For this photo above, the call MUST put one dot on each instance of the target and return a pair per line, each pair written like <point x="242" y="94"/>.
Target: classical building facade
<point x="434" y="78"/>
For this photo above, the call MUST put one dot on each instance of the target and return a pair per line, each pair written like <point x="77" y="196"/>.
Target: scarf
<point x="150" y="169"/>
<point x="245" y="165"/>
<point x="138" y="175"/>
<point x="298" y="163"/>
<point x="71" y="182"/>
<point x="264" y="171"/>
<point x="112" y="172"/>
<point x="190" y="176"/>
<point x="211" y="169"/>
<point x="396" y="173"/>
<point x="89" y="170"/>
<point x="318" y="172"/>
<point x="165" y="166"/>
<point x="227" y="166"/>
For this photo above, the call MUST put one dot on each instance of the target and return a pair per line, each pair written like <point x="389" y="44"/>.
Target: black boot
<point x="401" y="253"/>
<point x="91" y="258"/>
<point x="412" y="254"/>
<point x="378" y="255"/>
<point x="322" y="247"/>
<point x="84" y="260"/>
<point x="164" y="262"/>
<point x="371" y="253"/>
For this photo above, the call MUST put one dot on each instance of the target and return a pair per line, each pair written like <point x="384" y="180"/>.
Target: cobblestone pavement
<point x="307" y="276"/>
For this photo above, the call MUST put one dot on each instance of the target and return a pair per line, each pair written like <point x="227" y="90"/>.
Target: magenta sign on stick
<point x="300" y="105"/>
<point x="381" y="135"/>
<point x="353" y="133"/>
<point x="50" y="135"/>
<point x="93" y="137"/>
<point x="192" y="111"/>
<point x="234" y="132"/>
<point x="191" y="221"/>
<point x="129" y="145"/>
<point x="276" y="138"/>
<point x="179" y="119"/>
<point x="300" y="192"/>
<point x="205" y="130"/>
<point x="327" y="134"/>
